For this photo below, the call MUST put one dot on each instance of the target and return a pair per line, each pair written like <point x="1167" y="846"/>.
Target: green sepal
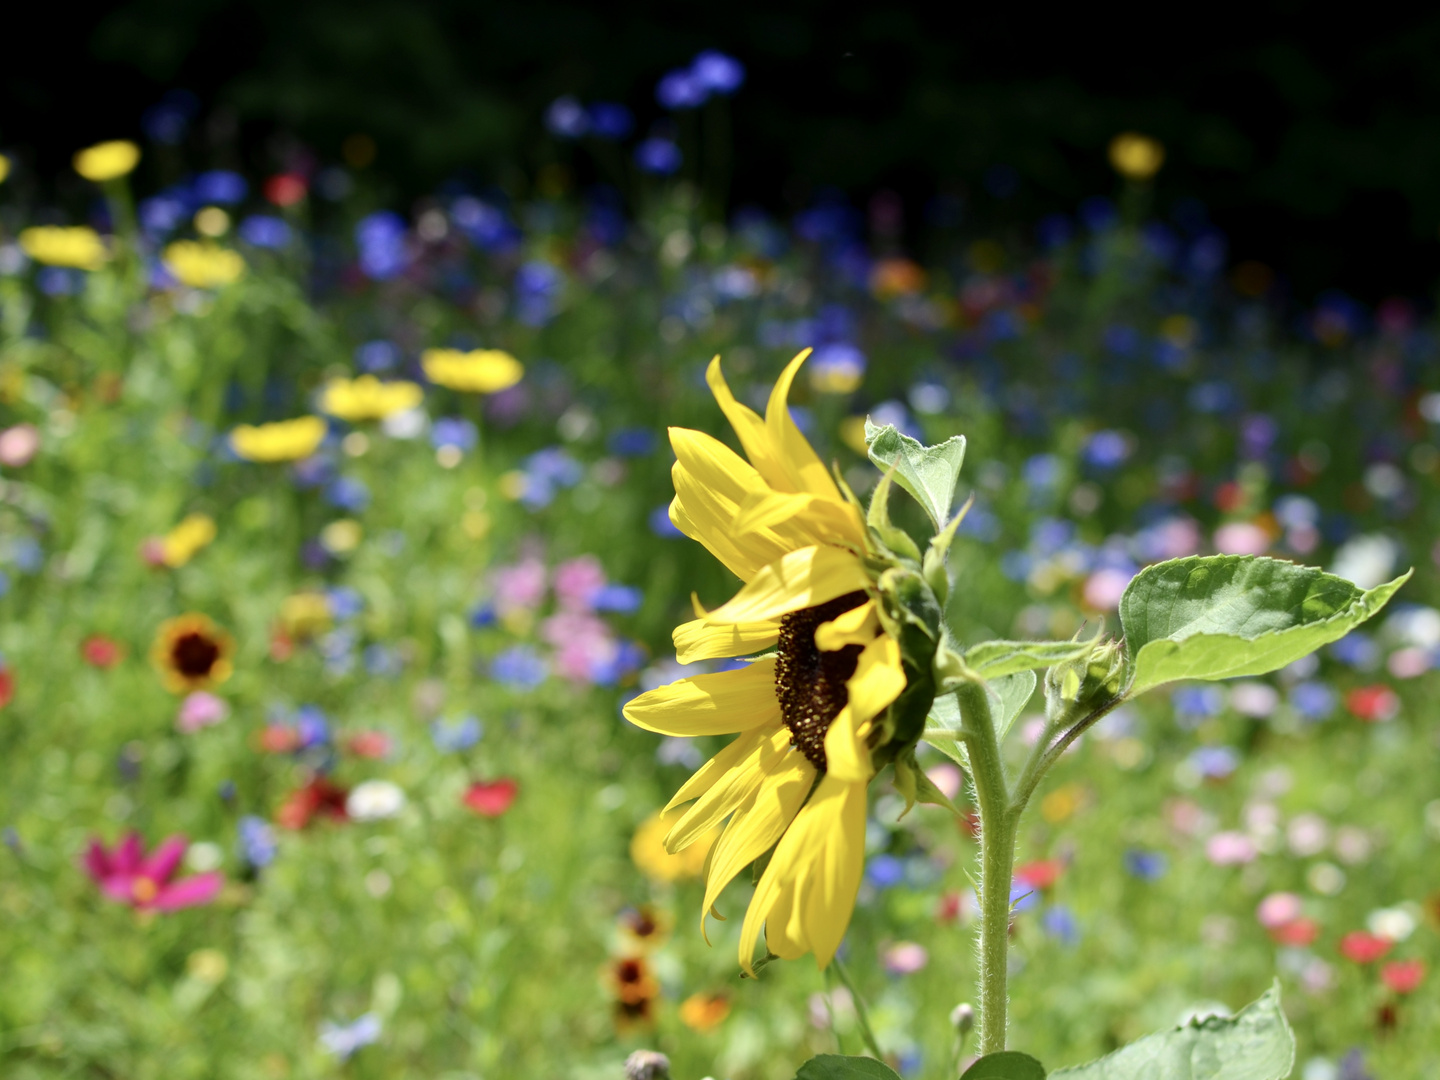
<point x="929" y="473"/>
<point x="915" y="786"/>
<point x="911" y="601"/>
<point x="935" y="565"/>
<point x="896" y="541"/>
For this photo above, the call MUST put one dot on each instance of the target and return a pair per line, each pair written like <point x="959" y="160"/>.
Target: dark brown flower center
<point x="195" y="654"/>
<point x="810" y="682"/>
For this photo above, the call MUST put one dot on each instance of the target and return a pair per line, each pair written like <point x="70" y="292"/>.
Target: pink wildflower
<point x="200" y="710"/>
<point x="1230" y="849"/>
<point x="576" y="581"/>
<point x="520" y="586"/>
<point x="147" y="883"/>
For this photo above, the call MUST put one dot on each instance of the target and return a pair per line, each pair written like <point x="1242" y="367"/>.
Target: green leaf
<point x="1008" y="695"/>
<point x="1256" y="1044"/>
<point x="1006" y="1065"/>
<point x="1224" y="616"/>
<point x="838" y="1067"/>
<point x="927" y="472"/>
<point x="992" y="659"/>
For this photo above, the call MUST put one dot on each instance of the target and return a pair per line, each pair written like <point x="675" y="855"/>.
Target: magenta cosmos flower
<point x="148" y="883"/>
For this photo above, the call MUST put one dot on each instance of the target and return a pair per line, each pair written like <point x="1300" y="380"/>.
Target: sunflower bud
<point x="1083" y="684"/>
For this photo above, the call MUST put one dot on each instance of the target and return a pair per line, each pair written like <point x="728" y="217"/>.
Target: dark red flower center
<point x="195" y="654"/>
<point x="809" y="682"/>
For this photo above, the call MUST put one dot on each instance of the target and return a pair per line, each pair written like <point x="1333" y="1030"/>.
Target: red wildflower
<point x="148" y="883"/>
<point x="7" y="686"/>
<point x="1297" y="932"/>
<point x="490" y="799"/>
<point x="1041" y="874"/>
<point x="1364" y="947"/>
<point x="319" y="796"/>
<point x="101" y="652"/>
<point x="279" y="739"/>
<point x="951" y="907"/>
<point x="369" y="744"/>
<point x="285" y="189"/>
<point x="1403" y="976"/>
<point x="1372" y="703"/>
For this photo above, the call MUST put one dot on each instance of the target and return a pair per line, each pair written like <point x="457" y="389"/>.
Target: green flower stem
<point x="861" y="1015"/>
<point x="1048" y="749"/>
<point x="997" y="860"/>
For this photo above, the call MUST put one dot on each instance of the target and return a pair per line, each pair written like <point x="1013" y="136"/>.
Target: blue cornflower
<point x="717" y="73"/>
<point x="162" y="213"/>
<point x="1023" y="897"/>
<point x="1060" y="923"/>
<point x="1358" y="650"/>
<point x="1098" y="213"/>
<point x="482" y="615"/>
<point x="661" y="525"/>
<point x="1196" y="703"/>
<point x="57" y="281"/>
<point x="610" y="120"/>
<point x="1215" y="762"/>
<point x="1313" y="700"/>
<point x="454" y="431"/>
<point x="220" y="186"/>
<point x="343" y="1040"/>
<point x="377" y="356"/>
<point x="659" y="156"/>
<point x="520" y="667"/>
<point x="885" y="871"/>
<point x="257" y="841"/>
<point x="265" y="231"/>
<point x="345" y="602"/>
<point x="1146" y="865"/>
<point x="680" y="89"/>
<point x="622" y="599"/>
<point x="1106" y="449"/>
<point x="567" y="118"/>
<point x="452" y="736"/>
<point x="169" y="118"/>
<point x="381" y="240"/>
<point x="632" y="442"/>
<point x="348" y="493"/>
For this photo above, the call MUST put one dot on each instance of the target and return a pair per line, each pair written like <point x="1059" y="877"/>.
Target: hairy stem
<point x="997" y="861"/>
<point x="1048" y="750"/>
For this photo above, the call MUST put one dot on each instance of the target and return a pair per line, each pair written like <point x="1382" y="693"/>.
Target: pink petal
<point x="188" y="892"/>
<point x="119" y="887"/>
<point x="128" y="855"/>
<point x="96" y="861"/>
<point x="161" y="864"/>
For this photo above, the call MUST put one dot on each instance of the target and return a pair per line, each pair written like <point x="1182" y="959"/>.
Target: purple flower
<point x="1146" y="865"/>
<point x="376" y="356"/>
<point x="257" y="841"/>
<point x="661" y="525"/>
<point x="454" y="431"/>
<point x="265" y="231"/>
<point x="567" y="118"/>
<point x="1312" y="700"/>
<point x="680" y="89"/>
<point x="343" y="1040"/>
<point x="199" y="710"/>
<point x="452" y="736"/>
<point x="611" y="120"/>
<point x="658" y="156"/>
<point x="717" y="73"/>
<point x="381" y="240"/>
<point x="520" y="668"/>
<point x="220" y="186"/>
<point x="885" y="871"/>
<point x="621" y="599"/>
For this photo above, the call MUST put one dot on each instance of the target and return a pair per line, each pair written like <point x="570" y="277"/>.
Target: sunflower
<point x="809" y="712"/>
<point x="192" y="653"/>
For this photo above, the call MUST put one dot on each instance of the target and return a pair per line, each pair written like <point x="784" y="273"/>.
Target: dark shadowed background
<point x="1313" y="141"/>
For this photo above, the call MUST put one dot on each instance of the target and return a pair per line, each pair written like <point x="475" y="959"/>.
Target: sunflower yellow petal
<point x="878" y="678"/>
<point x="800" y="579"/>
<point x="719" y="704"/>
<point x="730" y="790"/>
<point x="752" y="431"/>
<point x="706" y="515"/>
<point x="698" y="640"/>
<point x="846" y="754"/>
<point x="858" y="626"/>
<point x="758" y="824"/>
<point x="807" y="471"/>
<point x="799" y="520"/>
<point x="820" y="857"/>
<point x="784" y="931"/>
<point x="709" y="774"/>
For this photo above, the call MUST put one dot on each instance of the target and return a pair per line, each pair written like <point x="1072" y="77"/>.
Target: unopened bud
<point x="962" y="1019"/>
<point x="647" y="1065"/>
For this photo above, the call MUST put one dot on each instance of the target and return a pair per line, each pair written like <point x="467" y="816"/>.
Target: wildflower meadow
<point x="344" y="543"/>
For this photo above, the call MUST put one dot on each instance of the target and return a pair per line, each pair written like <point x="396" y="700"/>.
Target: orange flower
<point x="704" y="1012"/>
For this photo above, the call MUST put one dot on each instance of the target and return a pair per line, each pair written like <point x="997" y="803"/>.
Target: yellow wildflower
<point x="107" y="160"/>
<point x="192" y="653"/>
<point x="201" y="265"/>
<point x="481" y="371"/>
<point x="285" y="440"/>
<point x="305" y="614"/>
<point x="805" y="715"/>
<point x="65" y="245"/>
<point x="1136" y="157"/>
<point x="182" y="543"/>
<point x="4" y="168"/>
<point x="648" y="849"/>
<point x="367" y="398"/>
